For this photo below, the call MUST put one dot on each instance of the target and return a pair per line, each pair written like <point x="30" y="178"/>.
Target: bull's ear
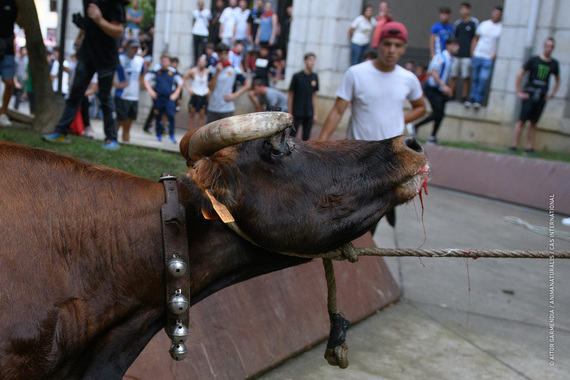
<point x="209" y="213"/>
<point x="184" y="146"/>
<point x="203" y="173"/>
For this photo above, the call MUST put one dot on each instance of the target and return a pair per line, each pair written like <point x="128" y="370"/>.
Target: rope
<point x="336" y="353"/>
<point x="474" y="253"/>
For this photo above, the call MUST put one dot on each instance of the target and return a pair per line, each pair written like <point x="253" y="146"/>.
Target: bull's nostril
<point x="413" y="144"/>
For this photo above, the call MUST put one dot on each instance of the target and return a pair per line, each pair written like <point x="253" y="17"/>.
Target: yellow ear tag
<point x="222" y="210"/>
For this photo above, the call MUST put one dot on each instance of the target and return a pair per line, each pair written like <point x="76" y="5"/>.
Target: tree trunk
<point x="48" y="107"/>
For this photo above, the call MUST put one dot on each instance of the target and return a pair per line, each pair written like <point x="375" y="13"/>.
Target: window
<point x="53" y="5"/>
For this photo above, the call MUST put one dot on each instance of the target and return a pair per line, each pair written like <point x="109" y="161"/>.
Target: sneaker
<point x="5" y="120"/>
<point x="411" y="129"/>
<point x="56" y="138"/>
<point x="529" y="151"/>
<point x="172" y="140"/>
<point x="88" y="132"/>
<point x="111" y="145"/>
<point x="146" y="129"/>
<point x="159" y="138"/>
<point x="513" y="149"/>
<point x="476" y="105"/>
<point x="467" y="104"/>
<point x="432" y="141"/>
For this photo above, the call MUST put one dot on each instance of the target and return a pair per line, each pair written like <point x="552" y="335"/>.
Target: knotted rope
<point x="336" y="352"/>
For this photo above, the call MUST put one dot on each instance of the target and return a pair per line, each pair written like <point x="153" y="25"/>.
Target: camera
<point x="78" y="20"/>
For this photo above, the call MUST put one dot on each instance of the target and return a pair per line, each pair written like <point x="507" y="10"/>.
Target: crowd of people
<point x="237" y="50"/>
<point x="464" y="49"/>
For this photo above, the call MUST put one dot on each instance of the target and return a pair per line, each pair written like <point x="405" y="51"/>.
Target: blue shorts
<point x="7" y="67"/>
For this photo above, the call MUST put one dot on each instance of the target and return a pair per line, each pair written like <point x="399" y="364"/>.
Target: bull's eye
<point x="271" y="153"/>
<point x="276" y="153"/>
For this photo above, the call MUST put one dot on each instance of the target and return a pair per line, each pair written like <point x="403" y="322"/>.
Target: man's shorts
<point x="7" y="67"/>
<point x="531" y="110"/>
<point x="198" y="102"/>
<point x="126" y="109"/>
<point x="463" y="66"/>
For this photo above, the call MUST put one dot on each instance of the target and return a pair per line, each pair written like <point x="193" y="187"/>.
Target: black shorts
<point x="531" y="110"/>
<point x="126" y="109"/>
<point x="198" y="102"/>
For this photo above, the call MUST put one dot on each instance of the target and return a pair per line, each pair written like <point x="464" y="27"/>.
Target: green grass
<point x="544" y="154"/>
<point x="140" y="161"/>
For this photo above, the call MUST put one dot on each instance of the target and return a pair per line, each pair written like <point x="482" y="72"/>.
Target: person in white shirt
<point x="437" y="89"/>
<point x="484" y="51"/>
<point x="377" y="90"/>
<point x="241" y="23"/>
<point x="55" y="71"/>
<point x="228" y="21"/>
<point x="199" y="92"/>
<point x="361" y="34"/>
<point x="128" y="80"/>
<point x="201" y="20"/>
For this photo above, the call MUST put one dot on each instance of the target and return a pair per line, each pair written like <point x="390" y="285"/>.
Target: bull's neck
<point x="131" y="286"/>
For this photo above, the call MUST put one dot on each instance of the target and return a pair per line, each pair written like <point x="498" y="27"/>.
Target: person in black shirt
<point x="465" y="28"/>
<point x="98" y="43"/>
<point x="302" y="99"/>
<point x="535" y="94"/>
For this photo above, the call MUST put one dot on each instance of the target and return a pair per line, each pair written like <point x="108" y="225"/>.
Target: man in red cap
<point x="377" y="90"/>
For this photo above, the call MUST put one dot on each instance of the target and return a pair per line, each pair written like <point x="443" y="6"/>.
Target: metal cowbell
<point x="178" y="304"/>
<point x="177" y="267"/>
<point x="178" y="333"/>
<point x="178" y="351"/>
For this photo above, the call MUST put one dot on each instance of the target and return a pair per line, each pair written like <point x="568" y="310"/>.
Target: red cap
<point x="394" y="29"/>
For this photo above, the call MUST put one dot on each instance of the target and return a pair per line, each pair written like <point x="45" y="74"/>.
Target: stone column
<point x="321" y="27"/>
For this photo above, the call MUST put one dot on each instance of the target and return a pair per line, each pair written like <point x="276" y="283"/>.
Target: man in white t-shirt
<point x="241" y="23"/>
<point x="484" y="51"/>
<point x="228" y="21"/>
<point x="55" y="71"/>
<point x="128" y="79"/>
<point x="201" y="21"/>
<point x="377" y="90"/>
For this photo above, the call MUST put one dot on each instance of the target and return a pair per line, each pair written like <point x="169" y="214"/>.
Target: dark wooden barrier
<point x="250" y="327"/>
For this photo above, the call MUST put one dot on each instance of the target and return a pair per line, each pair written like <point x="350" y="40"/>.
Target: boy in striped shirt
<point x="437" y="90"/>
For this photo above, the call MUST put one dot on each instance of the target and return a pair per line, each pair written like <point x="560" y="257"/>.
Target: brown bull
<point x="81" y="260"/>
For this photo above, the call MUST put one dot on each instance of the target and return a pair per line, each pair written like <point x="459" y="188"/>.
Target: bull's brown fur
<point x="81" y="266"/>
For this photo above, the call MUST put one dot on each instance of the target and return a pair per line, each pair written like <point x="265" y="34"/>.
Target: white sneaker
<point x="476" y="105"/>
<point x="411" y="129"/>
<point x="88" y="132"/>
<point x="5" y="121"/>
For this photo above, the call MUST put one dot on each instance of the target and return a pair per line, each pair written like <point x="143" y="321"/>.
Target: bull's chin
<point x="413" y="186"/>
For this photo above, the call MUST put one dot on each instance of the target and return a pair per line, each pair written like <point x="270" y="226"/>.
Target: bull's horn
<point x="234" y="130"/>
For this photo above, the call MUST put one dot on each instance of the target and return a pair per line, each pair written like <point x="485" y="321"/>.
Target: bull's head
<point x="295" y="196"/>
